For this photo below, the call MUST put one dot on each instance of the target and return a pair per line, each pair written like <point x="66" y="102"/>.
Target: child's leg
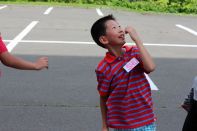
<point x="150" y="127"/>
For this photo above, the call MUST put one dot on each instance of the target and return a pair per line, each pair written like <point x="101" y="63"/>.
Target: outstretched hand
<point x="41" y="63"/>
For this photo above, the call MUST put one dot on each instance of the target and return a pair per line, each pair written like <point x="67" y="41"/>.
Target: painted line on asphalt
<point x="2" y="7"/>
<point x="93" y="43"/>
<point x="99" y="12"/>
<point x="19" y="37"/>
<point x="169" y="45"/>
<point x="48" y="10"/>
<point x="187" y="29"/>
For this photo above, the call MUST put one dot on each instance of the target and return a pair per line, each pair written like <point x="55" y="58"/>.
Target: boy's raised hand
<point x="132" y="32"/>
<point x="41" y="63"/>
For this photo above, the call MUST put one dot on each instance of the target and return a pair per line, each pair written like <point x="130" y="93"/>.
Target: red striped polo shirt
<point x="129" y="103"/>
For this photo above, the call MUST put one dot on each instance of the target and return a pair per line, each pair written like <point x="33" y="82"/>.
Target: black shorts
<point x="190" y="123"/>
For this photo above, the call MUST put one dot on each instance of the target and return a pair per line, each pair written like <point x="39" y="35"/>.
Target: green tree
<point x="180" y="2"/>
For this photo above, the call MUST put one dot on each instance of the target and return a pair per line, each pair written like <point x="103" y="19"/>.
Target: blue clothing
<point x="150" y="127"/>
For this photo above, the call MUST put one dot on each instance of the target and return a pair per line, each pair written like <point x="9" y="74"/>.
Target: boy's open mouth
<point x="121" y="36"/>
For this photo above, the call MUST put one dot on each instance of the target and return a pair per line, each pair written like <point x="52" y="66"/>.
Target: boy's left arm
<point x="146" y="59"/>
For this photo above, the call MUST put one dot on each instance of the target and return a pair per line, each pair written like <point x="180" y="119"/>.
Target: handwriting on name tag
<point x="131" y="64"/>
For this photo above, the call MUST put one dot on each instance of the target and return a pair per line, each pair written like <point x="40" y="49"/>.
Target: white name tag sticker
<point x="131" y="64"/>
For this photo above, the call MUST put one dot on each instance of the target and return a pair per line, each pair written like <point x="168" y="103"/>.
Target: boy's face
<point x="114" y="33"/>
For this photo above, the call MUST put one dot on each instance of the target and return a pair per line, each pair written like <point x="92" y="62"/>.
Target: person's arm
<point x="19" y="63"/>
<point x="103" y="106"/>
<point x="147" y="61"/>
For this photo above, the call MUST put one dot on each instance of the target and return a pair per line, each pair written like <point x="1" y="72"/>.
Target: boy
<point x="11" y="61"/>
<point x="125" y="95"/>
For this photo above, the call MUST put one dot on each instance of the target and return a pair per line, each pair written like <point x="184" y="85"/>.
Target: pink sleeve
<point x="2" y="46"/>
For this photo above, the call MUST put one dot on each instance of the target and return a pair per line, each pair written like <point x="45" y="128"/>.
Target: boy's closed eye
<point x="114" y="27"/>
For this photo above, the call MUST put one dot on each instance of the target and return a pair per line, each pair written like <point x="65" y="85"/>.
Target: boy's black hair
<point x="99" y="28"/>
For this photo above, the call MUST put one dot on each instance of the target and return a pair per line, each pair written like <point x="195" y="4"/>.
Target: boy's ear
<point x="103" y="39"/>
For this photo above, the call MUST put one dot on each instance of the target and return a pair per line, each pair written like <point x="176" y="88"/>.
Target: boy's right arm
<point x="148" y="63"/>
<point x="103" y="106"/>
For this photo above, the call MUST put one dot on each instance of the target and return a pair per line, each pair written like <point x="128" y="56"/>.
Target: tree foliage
<point x="171" y="6"/>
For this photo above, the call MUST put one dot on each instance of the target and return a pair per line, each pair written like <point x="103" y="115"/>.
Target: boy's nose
<point x="121" y="30"/>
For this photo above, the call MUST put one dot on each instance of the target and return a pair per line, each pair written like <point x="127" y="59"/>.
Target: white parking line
<point x="93" y="43"/>
<point x="48" y="11"/>
<point x="99" y="12"/>
<point x="169" y="45"/>
<point x="1" y="7"/>
<point x="187" y="29"/>
<point x="19" y="37"/>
